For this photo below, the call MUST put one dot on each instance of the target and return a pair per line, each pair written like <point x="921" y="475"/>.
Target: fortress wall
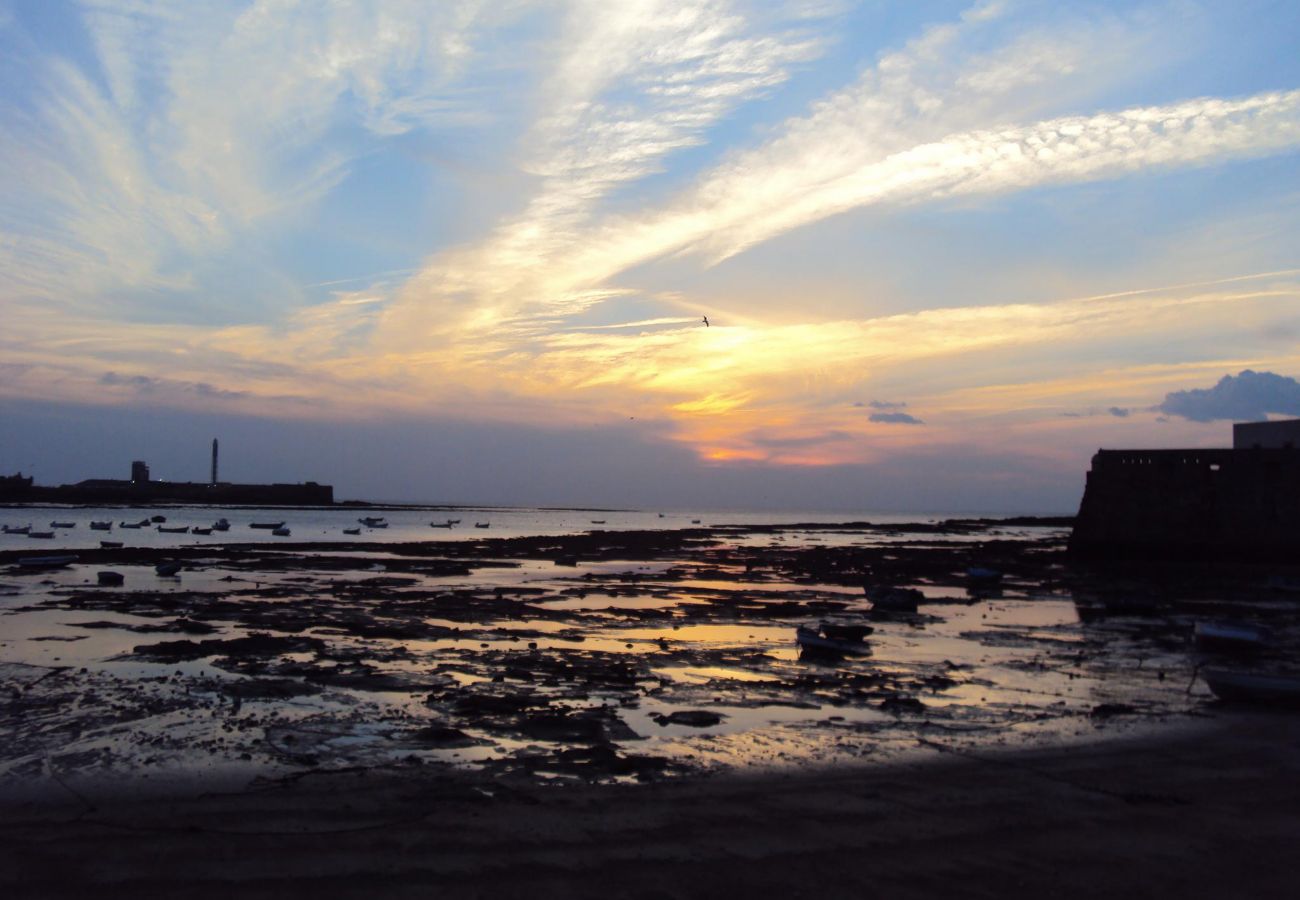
<point x="1191" y="504"/>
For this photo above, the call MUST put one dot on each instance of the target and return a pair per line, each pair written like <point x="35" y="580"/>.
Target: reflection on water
<point x="682" y="663"/>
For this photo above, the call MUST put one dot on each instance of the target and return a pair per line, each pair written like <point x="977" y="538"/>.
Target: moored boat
<point x="167" y="568"/>
<point x="1262" y="688"/>
<point x="352" y="531"/>
<point x="110" y="545"/>
<point x="63" y="525"/>
<point x="887" y="598"/>
<point x="812" y="640"/>
<point x="267" y="526"/>
<point x="197" y="530"/>
<point x="221" y="525"/>
<point x="101" y="526"/>
<point x="46" y="562"/>
<point x="1230" y="637"/>
<point x="111" y="579"/>
<point x="373" y="521"/>
<point x="43" y="535"/>
<point x="482" y="524"/>
<point x="179" y="529"/>
<point x="131" y="524"/>
<point x="280" y="532"/>
<point x="17" y="529"/>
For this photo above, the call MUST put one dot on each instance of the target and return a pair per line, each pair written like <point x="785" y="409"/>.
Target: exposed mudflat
<point x="607" y="656"/>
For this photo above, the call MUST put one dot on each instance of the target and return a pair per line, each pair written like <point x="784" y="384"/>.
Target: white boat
<point x="46" y="562"/>
<point x="815" y="641"/>
<point x="1268" y="689"/>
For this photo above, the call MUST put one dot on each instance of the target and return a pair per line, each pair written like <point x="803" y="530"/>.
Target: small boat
<point x="280" y="532"/>
<point x="439" y="524"/>
<point x="154" y="519"/>
<point x="351" y="530"/>
<point x="110" y="545"/>
<point x="454" y="521"/>
<point x="373" y="522"/>
<point x="17" y="529"/>
<point x="268" y="526"/>
<point x="131" y="524"/>
<point x="197" y="530"/>
<point x="179" y="529"/>
<point x="482" y="524"/>
<point x="46" y="562"/>
<point x="101" y="526"/>
<point x="1230" y="637"/>
<point x="981" y="575"/>
<point x="597" y="521"/>
<point x="845" y="631"/>
<point x="695" y="521"/>
<point x="111" y="579"/>
<point x="814" y="641"/>
<point x="1266" y="689"/>
<point x="43" y="535"/>
<point x="887" y="598"/>
<point x="167" y="569"/>
<point x="221" y="525"/>
<point x="64" y="525"/>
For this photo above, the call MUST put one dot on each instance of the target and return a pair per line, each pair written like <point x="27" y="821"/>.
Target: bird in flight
<point x="706" y="321"/>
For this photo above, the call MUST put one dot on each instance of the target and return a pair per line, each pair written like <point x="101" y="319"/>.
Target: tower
<point x="139" y="472"/>
<point x="214" y="461"/>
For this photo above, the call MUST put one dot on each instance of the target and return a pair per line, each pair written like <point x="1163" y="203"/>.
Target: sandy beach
<point x="1207" y="809"/>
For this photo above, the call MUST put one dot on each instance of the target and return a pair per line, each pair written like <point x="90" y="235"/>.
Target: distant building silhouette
<point x="139" y="472"/>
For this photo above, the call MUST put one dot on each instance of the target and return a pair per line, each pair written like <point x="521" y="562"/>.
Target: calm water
<point x="314" y="524"/>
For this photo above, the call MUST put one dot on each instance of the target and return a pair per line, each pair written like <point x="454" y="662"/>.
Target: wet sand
<point x="1210" y="809"/>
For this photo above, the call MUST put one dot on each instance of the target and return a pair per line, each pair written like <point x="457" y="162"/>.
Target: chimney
<point x="214" y="461"/>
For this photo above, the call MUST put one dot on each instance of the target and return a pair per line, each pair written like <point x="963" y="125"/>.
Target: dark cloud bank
<point x="1248" y="395"/>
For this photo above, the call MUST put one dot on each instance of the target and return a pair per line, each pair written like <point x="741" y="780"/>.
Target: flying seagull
<point x="706" y="321"/>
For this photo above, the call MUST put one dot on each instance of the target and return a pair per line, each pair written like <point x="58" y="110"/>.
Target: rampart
<point x="1191" y="504"/>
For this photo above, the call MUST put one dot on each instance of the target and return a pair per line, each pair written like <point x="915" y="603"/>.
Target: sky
<point x="464" y="251"/>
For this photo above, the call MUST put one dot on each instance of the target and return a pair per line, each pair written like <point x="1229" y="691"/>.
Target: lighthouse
<point x="214" y="461"/>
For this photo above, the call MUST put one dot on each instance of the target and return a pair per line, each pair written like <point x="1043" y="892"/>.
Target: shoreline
<point x="1208" y="807"/>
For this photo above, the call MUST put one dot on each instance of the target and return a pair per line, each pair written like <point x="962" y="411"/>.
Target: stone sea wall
<point x="1191" y="504"/>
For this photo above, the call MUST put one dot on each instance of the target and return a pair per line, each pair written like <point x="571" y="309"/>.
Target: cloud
<point x="1118" y="412"/>
<point x="886" y="404"/>
<point x="1248" y="395"/>
<point x="895" y="418"/>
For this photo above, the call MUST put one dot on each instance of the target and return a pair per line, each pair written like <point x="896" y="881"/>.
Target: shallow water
<point x="526" y="667"/>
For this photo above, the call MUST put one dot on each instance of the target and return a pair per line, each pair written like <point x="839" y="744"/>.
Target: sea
<point x="71" y="524"/>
